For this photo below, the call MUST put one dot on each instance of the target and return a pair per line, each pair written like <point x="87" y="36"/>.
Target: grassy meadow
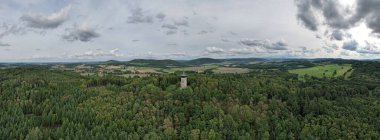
<point x="328" y="71"/>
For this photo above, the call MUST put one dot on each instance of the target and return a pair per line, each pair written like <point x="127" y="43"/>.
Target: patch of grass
<point x="328" y="71"/>
<point x="88" y="73"/>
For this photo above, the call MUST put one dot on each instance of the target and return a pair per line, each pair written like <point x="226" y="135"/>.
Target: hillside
<point x="154" y="63"/>
<point x="201" y="61"/>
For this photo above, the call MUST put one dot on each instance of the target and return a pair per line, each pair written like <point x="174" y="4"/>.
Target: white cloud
<point x="139" y="17"/>
<point x="182" y="22"/>
<point x="215" y="50"/>
<point x="83" y="33"/>
<point x="47" y="22"/>
<point x="95" y="54"/>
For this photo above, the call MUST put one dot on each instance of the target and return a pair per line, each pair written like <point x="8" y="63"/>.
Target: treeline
<point x="266" y="104"/>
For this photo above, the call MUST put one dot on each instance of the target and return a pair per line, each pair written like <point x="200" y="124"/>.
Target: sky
<point x="99" y="30"/>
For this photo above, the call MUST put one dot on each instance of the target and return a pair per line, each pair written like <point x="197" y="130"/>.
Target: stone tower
<point x="183" y="80"/>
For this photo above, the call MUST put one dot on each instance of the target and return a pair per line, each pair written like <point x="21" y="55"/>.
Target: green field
<point x="328" y="71"/>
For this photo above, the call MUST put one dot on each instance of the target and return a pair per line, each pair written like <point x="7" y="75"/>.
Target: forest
<point x="266" y="103"/>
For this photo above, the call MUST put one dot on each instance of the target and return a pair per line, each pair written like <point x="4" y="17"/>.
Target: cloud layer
<point x="186" y="30"/>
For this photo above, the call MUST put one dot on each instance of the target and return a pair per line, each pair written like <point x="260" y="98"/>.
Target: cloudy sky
<point x="92" y="30"/>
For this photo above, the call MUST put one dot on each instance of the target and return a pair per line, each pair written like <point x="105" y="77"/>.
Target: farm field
<point x="328" y="71"/>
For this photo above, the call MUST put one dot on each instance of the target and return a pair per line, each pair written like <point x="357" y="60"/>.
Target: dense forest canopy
<point x="39" y="103"/>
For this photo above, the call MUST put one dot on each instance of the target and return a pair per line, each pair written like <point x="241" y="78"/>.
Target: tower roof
<point x="183" y="74"/>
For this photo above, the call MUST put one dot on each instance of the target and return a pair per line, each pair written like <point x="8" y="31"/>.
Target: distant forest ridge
<point x="194" y="62"/>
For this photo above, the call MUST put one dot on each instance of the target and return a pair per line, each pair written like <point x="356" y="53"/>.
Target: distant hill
<point x="245" y="60"/>
<point x="201" y="61"/>
<point x="154" y="62"/>
<point x="113" y="62"/>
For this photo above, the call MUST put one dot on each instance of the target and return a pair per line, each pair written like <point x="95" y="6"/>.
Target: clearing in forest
<point x="328" y="71"/>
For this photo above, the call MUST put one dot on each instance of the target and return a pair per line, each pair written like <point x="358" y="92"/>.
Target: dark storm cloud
<point x="350" y="45"/>
<point x="334" y="13"/>
<point x="139" y="17"/>
<point x="279" y="45"/>
<point x="46" y="22"/>
<point x="336" y="16"/>
<point x="306" y="15"/>
<point x="83" y="34"/>
<point x="369" y="10"/>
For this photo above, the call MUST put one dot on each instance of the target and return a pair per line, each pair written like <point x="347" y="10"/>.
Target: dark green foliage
<point x="201" y="61"/>
<point x="263" y="104"/>
<point x="154" y="63"/>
